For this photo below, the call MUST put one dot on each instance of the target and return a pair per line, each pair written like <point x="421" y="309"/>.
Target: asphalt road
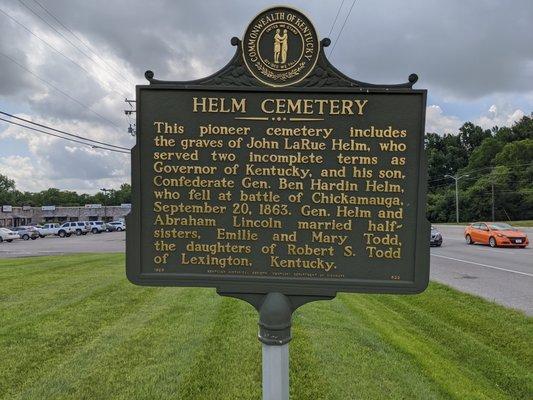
<point x="502" y="275"/>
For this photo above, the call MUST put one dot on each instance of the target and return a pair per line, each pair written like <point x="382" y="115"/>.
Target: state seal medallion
<point x="280" y="47"/>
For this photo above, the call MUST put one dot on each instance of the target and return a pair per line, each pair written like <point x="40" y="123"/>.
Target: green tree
<point x="6" y="184"/>
<point x="471" y="136"/>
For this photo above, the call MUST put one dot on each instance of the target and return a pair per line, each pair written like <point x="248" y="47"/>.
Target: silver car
<point x="26" y="232"/>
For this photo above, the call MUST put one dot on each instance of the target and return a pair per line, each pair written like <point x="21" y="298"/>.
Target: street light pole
<point x="105" y="202"/>
<point x="456" y="178"/>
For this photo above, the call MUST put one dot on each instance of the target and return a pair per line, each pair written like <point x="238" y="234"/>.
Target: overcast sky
<point x="474" y="57"/>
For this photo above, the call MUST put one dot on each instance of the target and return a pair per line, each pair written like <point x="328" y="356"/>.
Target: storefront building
<point x="11" y="216"/>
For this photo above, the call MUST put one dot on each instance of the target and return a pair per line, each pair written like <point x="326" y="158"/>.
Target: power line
<point x="64" y="138"/>
<point x="63" y="132"/>
<point x="342" y="28"/>
<point x="483" y="169"/>
<point x="60" y="33"/>
<point x="85" y="106"/>
<point x="336" y="16"/>
<point x="56" y="50"/>
<point x="82" y="42"/>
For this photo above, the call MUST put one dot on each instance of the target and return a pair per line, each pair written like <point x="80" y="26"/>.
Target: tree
<point x="483" y="155"/>
<point x="501" y="158"/>
<point x="6" y="184"/>
<point x="7" y="190"/>
<point x="471" y="136"/>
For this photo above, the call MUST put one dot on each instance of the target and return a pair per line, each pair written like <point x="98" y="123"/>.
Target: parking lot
<point x="502" y="275"/>
<point x="107" y="242"/>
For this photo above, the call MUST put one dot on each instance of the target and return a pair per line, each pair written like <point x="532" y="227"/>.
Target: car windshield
<point x="4" y="230"/>
<point x="501" y="227"/>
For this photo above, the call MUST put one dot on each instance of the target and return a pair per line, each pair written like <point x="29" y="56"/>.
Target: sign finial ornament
<point x="280" y="47"/>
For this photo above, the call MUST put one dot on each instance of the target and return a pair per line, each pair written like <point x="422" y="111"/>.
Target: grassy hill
<point x="72" y="327"/>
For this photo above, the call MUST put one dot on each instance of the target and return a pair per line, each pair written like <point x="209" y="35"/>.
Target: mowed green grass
<point x="73" y="327"/>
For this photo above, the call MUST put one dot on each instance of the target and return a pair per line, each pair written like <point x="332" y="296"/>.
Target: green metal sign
<point x="279" y="174"/>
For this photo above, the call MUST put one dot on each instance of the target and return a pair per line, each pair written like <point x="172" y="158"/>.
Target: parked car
<point x="8" y="235"/>
<point x="97" y="226"/>
<point x="435" y="238"/>
<point x="495" y="234"/>
<point x="116" y="226"/>
<point x="26" y="232"/>
<point x="48" y="229"/>
<point x="77" y="228"/>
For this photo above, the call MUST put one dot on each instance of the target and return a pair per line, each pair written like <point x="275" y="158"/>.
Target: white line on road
<point x="483" y="265"/>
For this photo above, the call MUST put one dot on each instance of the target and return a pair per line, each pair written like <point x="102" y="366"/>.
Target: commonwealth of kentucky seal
<point x="280" y="46"/>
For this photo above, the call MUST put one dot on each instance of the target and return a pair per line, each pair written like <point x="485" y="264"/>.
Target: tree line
<point x="9" y="195"/>
<point x="496" y="165"/>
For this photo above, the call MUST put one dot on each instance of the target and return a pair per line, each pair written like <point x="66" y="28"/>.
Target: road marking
<point x="483" y="265"/>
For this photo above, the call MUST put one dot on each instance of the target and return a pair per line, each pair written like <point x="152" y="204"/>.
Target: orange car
<point x="495" y="234"/>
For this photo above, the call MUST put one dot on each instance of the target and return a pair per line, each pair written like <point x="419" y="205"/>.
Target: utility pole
<point x="104" y="190"/>
<point x="456" y="178"/>
<point x="493" y="220"/>
<point x="132" y="130"/>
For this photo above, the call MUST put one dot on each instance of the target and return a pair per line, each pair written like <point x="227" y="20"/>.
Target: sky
<point x="70" y="65"/>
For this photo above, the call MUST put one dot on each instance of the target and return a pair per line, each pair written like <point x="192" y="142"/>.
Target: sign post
<point x="274" y="334"/>
<point x="279" y="180"/>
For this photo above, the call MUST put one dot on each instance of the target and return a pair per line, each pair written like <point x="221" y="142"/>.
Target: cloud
<point x="497" y="115"/>
<point x="36" y="173"/>
<point x="53" y="162"/>
<point x="438" y="122"/>
<point x="502" y="115"/>
<point x="461" y="50"/>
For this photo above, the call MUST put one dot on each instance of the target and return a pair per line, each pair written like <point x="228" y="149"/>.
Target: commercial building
<point x="11" y="216"/>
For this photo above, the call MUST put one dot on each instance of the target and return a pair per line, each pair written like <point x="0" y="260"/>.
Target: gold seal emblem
<point x="280" y="47"/>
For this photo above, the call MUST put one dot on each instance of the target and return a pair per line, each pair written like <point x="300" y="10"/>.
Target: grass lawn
<point x="73" y="327"/>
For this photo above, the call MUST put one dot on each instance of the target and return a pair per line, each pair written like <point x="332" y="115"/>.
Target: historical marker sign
<point x="279" y="174"/>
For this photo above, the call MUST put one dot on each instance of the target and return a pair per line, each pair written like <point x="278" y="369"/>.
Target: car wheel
<point x="41" y="236"/>
<point x="78" y="232"/>
<point x="25" y="237"/>
<point x="84" y="233"/>
<point x="94" y="230"/>
<point x="119" y="229"/>
<point x="492" y="242"/>
<point x="8" y="240"/>
<point x="69" y="234"/>
<point x="62" y="234"/>
<point x="1" y="240"/>
<point x="468" y="239"/>
<point x="34" y="237"/>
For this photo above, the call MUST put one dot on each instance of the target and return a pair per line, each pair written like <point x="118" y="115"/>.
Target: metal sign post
<point x="275" y="372"/>
<point x="275" y="333"/>
<point x="275" y="321"/>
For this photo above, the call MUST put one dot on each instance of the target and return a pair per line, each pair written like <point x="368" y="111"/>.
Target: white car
<point x="97" y="226"/>
<point x="48" y="229"/>
<point x="8" y="235"/>
<point x="116" y="226"/>
<point x="78" y="228"/>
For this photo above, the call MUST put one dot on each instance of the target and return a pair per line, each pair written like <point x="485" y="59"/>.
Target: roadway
<point x="502" y="275"/>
